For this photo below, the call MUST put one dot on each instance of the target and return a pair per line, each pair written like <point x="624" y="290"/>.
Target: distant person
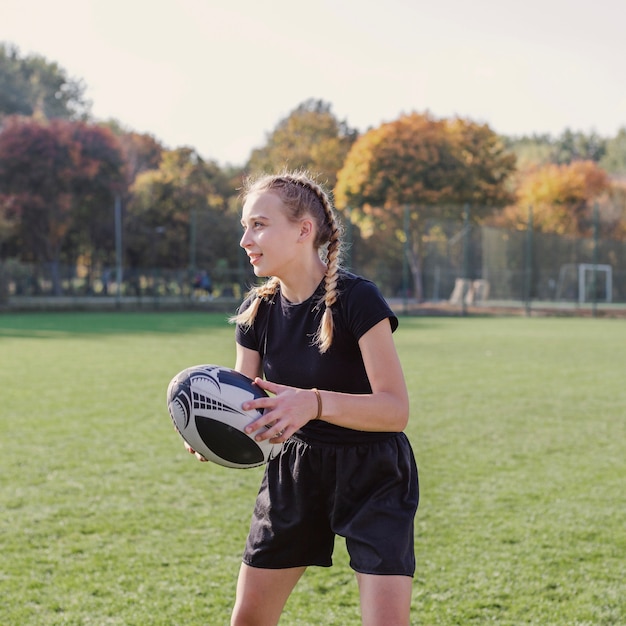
<point x="106" y="279"/>
<point x="322" y="337"/>
<point x="206" y="284"/>
<point x="202" y="282"/>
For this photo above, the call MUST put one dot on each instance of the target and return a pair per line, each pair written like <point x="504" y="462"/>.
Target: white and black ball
<point x="204" y="403"/>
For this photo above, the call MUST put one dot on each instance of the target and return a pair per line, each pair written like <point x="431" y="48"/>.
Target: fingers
<point x="282" y="412"/>
<point x="262" y="429"/>
<point x="192" y="451"/>
<point x="268" y="385"/>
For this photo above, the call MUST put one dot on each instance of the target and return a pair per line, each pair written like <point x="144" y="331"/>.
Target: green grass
<point x="519" y="428"/>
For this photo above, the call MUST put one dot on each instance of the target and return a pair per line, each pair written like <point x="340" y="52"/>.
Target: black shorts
<point x="367" y="493"/>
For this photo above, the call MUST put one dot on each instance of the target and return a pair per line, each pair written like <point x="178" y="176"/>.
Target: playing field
<point x="519" y="428"/>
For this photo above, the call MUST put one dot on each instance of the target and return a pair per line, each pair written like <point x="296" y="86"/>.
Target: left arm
<point x="386" y="409"/>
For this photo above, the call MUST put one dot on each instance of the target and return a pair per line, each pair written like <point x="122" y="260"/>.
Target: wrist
<point x="318" y="398"/>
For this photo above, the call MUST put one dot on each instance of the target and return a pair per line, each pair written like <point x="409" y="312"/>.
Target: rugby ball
<point x="204" y="403"/>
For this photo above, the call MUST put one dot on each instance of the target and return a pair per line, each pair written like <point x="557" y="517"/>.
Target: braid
<point x="324" y="336"/>
<point x="262" y="292"/>
<point x="302" y="195"/>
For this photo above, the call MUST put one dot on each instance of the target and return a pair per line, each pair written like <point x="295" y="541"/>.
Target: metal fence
<point x="462" y="265"/>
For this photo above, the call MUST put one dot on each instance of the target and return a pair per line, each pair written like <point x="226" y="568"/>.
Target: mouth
<point x="254" y="258"/>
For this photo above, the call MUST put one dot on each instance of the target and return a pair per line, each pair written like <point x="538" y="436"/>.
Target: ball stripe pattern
<point x="204" y="402"/>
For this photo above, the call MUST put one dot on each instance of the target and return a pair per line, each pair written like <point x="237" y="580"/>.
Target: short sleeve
<point x="246" y="336"/>
<point x="365" y="306"/>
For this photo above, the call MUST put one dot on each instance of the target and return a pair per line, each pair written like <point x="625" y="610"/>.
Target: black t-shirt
<point x="283" y="334"/>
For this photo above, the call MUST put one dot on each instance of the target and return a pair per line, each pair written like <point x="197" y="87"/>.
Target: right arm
<point x="248" y="362"/>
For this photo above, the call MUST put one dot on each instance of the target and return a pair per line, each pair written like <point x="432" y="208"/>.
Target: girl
<point x="322" y="339"/>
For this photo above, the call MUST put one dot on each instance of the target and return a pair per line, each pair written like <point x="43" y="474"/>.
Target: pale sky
<point x="219" y="75"/>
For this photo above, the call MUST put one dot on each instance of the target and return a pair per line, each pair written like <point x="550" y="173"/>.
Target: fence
<point x="461" y="265"/>
<point x="524" y="266"/>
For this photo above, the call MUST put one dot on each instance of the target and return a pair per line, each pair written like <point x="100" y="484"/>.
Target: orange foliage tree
<point x="561" y="197"/>
<point x="421" y="167"/>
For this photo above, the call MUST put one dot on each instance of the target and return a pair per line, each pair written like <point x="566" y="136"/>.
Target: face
<point x="272" y="242"/>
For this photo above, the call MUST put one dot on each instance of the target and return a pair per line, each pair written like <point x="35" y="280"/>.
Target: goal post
<point x="576" y="282"/>
<point x="587" y="282"/>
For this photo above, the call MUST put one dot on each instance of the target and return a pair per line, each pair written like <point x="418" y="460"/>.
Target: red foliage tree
<point x="58" y="180"/>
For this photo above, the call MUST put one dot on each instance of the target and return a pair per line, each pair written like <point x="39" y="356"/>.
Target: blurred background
<point x="476" y="154"/>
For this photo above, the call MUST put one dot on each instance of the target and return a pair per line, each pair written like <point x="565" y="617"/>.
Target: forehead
<point x="263" y="204"/>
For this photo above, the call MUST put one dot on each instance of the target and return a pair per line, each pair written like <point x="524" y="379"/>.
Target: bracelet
<point x="319" y="403"/>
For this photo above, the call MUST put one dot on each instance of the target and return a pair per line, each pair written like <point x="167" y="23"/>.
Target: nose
<point x="245" y="239"/>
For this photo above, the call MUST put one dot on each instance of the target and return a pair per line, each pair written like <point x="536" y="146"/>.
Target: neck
<point x="301" y="286"/>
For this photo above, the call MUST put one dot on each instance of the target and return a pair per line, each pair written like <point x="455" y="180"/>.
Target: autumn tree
<point x="612" y="209"/>
<point x="311" y="138"/>
<point x="419" y="167"/>
<point x="141" y="151"/>
<point x="31" y="85"/>
<point x="57" y="184"/>
<point x="185" y="197"/>
<point x="561" y="197"/>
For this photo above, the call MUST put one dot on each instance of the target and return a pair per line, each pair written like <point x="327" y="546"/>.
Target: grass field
<point x="519" y="428"/>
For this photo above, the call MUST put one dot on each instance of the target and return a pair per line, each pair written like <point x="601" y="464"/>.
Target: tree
<point x="561" y="196"/>
<point x="569" y="146"/>
<point x="34" y="86"/>
<point x="142" y="151"/>
<point x="57" y="182"/>
<point x="421" y="167"/>
<point x="309" y="138"/>
<point x="614" y="160"/>
<point x="576" y="146"/>
<point x="167" y="204"/>
<point x="530" y="150"/>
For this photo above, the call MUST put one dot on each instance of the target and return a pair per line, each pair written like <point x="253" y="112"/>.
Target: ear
<point x="306" y="229"/>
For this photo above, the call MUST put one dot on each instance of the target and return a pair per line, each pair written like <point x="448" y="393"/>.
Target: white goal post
<point x="585" y="269"/>
<point x="581" y="275"/>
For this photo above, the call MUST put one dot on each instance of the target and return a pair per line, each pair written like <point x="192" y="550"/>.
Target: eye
<point x="253" y="225"/>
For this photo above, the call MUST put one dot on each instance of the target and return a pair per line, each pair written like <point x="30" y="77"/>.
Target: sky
<point x="218" y="76"/>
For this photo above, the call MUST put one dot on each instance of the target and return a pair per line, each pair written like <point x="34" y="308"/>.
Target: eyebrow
<point x="252" y="218"/>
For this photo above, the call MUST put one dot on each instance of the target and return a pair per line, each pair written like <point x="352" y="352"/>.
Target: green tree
<point x="419" y="167"/>
<point x="614" y="160"/>
<point x="530" y="150"/>
<point x="32" y="85"/>
<point x="569" y="146"/>
<point x="577" y="146"/>
<point x="186" y="197"/>
<point x="310" y="138"/>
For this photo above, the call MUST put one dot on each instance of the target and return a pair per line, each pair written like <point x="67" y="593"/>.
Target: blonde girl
<point x="319" y="340"/>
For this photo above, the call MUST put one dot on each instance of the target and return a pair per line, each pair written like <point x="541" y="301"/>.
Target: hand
<point x="189" y="448"/>
<point x="192" y="451"/>
<point x="285" y="412"/>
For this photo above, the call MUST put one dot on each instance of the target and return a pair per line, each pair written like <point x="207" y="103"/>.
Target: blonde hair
<point x="301" y="196"/>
